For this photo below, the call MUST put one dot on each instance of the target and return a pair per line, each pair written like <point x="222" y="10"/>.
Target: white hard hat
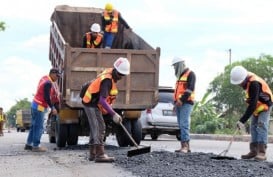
<point x="237" y="75"/>
<point x="122" y="65"/>
<point x="95" y="28"/>
<point x="176" y="60"/>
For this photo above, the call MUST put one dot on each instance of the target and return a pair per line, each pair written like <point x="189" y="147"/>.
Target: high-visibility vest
<point x="113" y="26"/>
<point x="260" y="107"/>
<point x="39" y="96"/>
<point x="181" y="87"/>
<point x="94" y="87"/>
<point x="2" y="118"/>
<point x="96" y="42"/>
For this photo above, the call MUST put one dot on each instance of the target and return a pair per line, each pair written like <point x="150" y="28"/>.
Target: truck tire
<point x="136" y="130"/>
<point x="61" y="134"/>
<point x="122" y="138"/>
<point x="154" y="136"/>
<point x="52" y="139"/>
<point x="72" y="138"/>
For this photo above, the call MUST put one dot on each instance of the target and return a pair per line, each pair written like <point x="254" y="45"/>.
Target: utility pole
<point x="229" y="54"/>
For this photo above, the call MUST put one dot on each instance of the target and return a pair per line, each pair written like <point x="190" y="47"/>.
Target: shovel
<point x="138" y="150"/>
<point x="222" y="155"/>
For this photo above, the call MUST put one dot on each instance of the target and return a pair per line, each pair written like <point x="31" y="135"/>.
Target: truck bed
<point x="137" y="91"/>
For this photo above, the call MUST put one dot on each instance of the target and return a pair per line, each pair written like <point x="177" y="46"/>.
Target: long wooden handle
<point x="126" y="131"/>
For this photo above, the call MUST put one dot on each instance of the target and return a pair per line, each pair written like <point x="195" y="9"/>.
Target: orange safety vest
<point x="39" y="96"/>
<point x="113" y="26"/>
<point x="181" y="87"/>
<point x="89" y="43"/>
<point x="94" y="87"/>
<point x="260" y="107"/>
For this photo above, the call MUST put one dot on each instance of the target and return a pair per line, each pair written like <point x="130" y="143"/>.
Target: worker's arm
<point x="84" y="42"/>
<point x="105" y="88"/>
<point x="47" y="89"/>
<point x="254" y="90"/>
<point x="122" y="21"/>
<point x="190" y="87"/>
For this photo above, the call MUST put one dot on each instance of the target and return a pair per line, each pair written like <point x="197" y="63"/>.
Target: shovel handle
<point x="126" y="131"/>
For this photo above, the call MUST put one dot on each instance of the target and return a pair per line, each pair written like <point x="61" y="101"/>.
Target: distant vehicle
<point x="23" y="119"/>
<point x="161" y="119"/>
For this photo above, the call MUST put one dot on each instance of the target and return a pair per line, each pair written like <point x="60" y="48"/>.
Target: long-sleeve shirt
<point x="254" y="96"/>
<point x="120" y="20"/>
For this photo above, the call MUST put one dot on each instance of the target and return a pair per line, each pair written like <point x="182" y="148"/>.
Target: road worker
<point x="94" y="38"/>
<point x="184" y="100"/>
<point x="259" y="99"/>
<point x="97" y="101"/>
<point x="110" y="24"/>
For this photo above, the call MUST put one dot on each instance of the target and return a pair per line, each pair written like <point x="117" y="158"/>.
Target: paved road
<point x="65" y="163"/>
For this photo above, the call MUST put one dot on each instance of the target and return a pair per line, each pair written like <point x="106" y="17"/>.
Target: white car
<point x="161" y="119"/>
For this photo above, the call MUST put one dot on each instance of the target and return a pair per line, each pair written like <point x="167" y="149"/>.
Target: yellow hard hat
<point x="109" y="7"/>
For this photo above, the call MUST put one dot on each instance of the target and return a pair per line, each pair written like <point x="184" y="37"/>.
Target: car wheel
<point x="143" y="136"/>
<point x="154" y="136"/>
<point x="178" y="136"/>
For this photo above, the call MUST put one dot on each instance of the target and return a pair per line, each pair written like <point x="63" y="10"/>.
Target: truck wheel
<point x="136" y="130"/>
<point x="178" y="136"/>
<point x="51" y="130"/>
<point x="51" y="139"/>
<point x="154" y="136"/>
<point x="143" y="136"/>
<point x="72" y="138"/>
<point x="122" y="138"/>
<point x="61" y="134"/>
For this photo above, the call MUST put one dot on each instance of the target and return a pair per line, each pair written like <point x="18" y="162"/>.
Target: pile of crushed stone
<point x="171" y="164"/>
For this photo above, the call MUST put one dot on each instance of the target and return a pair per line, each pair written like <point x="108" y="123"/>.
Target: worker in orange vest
<point x="259" y="99"/>
<point x="111" y="19"/>
<point x="97" y="100"/>
<point x="184" y="100"/>
<point x="94" y="38"/>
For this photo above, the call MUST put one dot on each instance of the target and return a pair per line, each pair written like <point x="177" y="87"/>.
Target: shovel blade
<point x="138" y="151"/>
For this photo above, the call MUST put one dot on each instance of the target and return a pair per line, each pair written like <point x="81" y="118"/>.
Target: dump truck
<point x="23" y="120"/>
<point x="137" y="91"/>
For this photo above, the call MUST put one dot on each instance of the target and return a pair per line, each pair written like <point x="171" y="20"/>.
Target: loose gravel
<point x="171" y="164"/>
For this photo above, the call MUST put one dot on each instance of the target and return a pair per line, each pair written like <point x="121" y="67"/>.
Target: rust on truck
<point x="137" y="91"/>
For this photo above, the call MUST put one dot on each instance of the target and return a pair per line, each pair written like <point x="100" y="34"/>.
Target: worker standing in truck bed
<point x="110" y="22"/>
<point x="93" y="39"/>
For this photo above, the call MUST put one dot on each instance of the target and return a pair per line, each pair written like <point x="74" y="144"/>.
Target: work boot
<point x="261" y="155"/>
<point x="28" y="147"/>
<point x="101" y="156"/>
<point x="39" y="149"/>
<point x="253" y="151"/>
<point x="185" y="147"/>
<point x="92" y="152"/>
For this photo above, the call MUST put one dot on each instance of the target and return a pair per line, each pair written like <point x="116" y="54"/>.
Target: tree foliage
<point x="229" y="98"/>
<point x="2" y="26"/>
<point x="11" y="114"/>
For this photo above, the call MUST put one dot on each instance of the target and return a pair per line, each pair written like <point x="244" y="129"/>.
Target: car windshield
<point x="165" y="97"/>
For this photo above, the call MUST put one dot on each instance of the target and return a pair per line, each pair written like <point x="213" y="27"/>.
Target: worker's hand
<point x="240" y="125"/>
<point x="178" y="102"/>
<point x="54" y="111"/>
<point x="117" y="119"/>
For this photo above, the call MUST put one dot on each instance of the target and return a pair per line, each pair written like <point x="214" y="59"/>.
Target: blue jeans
<point x="108" y="39"/>
<point x="36" y="128"/>
<point x="183" y="118"/>
<point x="259" y="127"/>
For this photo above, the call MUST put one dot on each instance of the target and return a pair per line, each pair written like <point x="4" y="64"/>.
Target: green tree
<point x="11" y="114"/>
<point x="204" y="118"/>
<point x="2" y="26"/>
<point x="230" y="98"/>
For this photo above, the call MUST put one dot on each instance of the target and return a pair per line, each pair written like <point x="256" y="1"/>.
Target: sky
<point x="200" y="31"/>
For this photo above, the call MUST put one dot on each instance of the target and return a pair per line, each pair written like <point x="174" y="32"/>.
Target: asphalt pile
<point x="171" y="164"/>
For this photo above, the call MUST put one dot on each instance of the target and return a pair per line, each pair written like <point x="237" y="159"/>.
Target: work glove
<point x="240" y="125"/>
<point x="117" y="119"/>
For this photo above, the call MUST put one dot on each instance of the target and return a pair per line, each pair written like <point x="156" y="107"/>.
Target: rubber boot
<point x="261" y="152"/>
<point x="253" y="151"/>
<point x="185" y="147"/>
<point x="101" y="156"/>
<point x="92" y="152"/>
